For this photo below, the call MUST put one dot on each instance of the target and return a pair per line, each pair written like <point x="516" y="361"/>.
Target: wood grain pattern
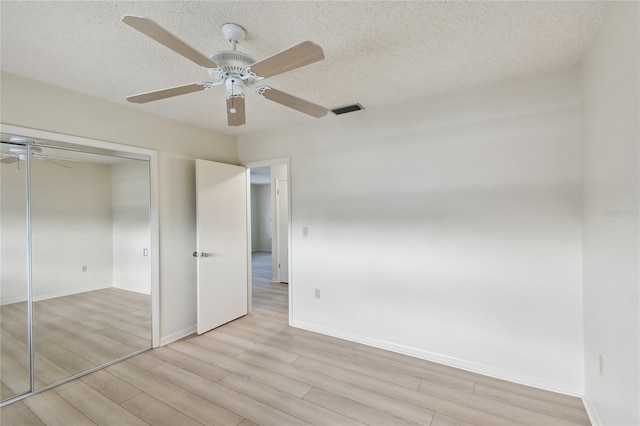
<point x="301" y="54"/>
<point x="156" y="95"/>
<point x="238" y="117"/>
<point x="296" y="103"/>
<point x="259" y="371"/>
<point x="151" y="29"/>
<point x="71" y="334"/>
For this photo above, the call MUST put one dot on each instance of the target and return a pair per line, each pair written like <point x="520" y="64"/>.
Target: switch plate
<point x="84" y="268"/>
<point x="317" y="293"/>
<point x="305" y="231"/>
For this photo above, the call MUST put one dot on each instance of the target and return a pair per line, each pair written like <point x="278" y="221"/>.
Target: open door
<point x="222" y="244"/>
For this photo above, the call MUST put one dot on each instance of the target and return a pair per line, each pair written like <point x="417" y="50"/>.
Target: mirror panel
<point x="14" y="337"/>
<point x="91" y="269"/>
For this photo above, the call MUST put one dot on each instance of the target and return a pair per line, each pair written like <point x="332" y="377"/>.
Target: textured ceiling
<point x="377" y="53"/>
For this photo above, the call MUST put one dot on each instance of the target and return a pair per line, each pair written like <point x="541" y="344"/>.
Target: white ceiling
<point x="261" y="175"/>
<point x="377" y="53"/>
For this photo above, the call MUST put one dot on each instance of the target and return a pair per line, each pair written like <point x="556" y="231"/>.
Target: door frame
<point x="154" y="227"/>
<point x="279" y="186"/>
<point x="267" y="163"/>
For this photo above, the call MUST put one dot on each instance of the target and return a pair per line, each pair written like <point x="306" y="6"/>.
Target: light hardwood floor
<point x="259" y="371"/>
<point x="72" y="334"/>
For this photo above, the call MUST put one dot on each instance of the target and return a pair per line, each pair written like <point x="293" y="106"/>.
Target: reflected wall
<point x="90" y="265"/>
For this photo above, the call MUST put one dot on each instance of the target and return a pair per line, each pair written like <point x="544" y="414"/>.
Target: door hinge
<point x="277" y="192"/>
<point x="278" y="265"/>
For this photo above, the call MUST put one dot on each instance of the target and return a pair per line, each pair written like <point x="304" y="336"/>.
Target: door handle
<point x="201" y="254"/>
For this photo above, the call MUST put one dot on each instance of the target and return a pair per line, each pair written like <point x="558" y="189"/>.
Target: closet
<point x="75" y="268"/>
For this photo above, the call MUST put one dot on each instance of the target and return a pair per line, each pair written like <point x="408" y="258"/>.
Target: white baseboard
<point x="165" y="340"/>
<point x="57" y="294"/>
<point x="474" y="367"/>
<point x="591" y="412"/>
<point x="146" y="291"/>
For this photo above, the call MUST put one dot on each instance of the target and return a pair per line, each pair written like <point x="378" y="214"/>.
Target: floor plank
<point x="98" y="407"/>
<point x="53" y="410"/>
<point x="111" y="386"/>
<point x="157" y="413"/>
<point x="300" y="408"/>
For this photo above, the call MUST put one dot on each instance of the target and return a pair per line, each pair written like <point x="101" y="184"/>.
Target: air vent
<point x="347" y="108"/>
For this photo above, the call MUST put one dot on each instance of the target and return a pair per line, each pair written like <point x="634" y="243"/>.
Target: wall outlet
<point x="317" y="293"/>
<point x="305" y="231"/>
<point x="601" y="364"/>
<point x="84" y="268"/>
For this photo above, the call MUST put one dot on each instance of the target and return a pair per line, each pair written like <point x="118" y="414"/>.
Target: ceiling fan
<point x="16" y="153"/>
<point x="233" y="69"/>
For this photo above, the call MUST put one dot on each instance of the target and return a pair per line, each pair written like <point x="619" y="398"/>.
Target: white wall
<point x="36" y="105"/>
<point x="83" y="214"/>
<point x="13" y="241"/>
<point x="131" y="225"/>
<point x="611" y="243"/>
<point x="448" y="228"/>
<point x="71" y="228"/>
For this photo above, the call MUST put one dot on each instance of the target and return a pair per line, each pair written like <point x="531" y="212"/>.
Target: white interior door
<point x="282" y="227"/>
<point x="222" y="244"/>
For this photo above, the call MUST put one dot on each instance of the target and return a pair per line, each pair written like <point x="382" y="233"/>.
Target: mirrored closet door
<point x="75" y="266"/>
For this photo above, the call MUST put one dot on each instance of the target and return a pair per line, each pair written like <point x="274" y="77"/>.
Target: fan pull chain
<point x="233" y="108"/>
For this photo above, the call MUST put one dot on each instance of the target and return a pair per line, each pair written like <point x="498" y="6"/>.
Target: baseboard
<point x="165" y="340"/>
<point x="57" y="294"/>
<point x="146" y="292"/>
<point x="474" y="367"/>
<point x="591" y="412"/>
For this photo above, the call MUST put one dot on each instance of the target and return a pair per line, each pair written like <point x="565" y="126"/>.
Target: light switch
<point x="305" y="232"/>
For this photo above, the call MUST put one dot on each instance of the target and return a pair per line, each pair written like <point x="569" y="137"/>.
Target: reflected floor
<point x="72" y="334"/>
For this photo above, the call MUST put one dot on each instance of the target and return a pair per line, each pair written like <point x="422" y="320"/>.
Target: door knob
<point x="201" y="254"/>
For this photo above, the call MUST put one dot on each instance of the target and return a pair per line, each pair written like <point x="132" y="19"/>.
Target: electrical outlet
<point x="317" y="293"/>
<point x="601" y="364"/>
<point x="84" y="268"/>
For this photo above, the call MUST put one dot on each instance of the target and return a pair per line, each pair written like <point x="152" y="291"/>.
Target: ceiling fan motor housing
<point x="231" y="64"/>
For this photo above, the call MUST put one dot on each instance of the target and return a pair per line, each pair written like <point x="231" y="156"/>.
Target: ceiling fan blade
<point x="292" y="101"/>
<point x="236" y="118"/>
<point x="60" y="164"/>
<point x="164" y="37"/>
<point x="166" y="93"/>
<point x="297" y="56"/>
<point x="9" y="160"/>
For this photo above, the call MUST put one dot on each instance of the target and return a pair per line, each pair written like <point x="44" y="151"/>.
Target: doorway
<point x="77" y="254"/>
<point x="270" y="234"/>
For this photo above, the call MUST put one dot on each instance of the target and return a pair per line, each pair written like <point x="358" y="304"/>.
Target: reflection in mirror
<point x="14" y="338"/>
<point x="90" y="264"/>
<point x="91" y="271"/>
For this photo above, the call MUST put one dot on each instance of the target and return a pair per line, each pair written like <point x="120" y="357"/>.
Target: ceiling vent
<point x="347" y="108"/>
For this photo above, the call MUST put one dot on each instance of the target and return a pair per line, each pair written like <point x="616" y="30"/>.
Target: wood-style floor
<point x="259" y="371"/>
<point x="72" y="334"/>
